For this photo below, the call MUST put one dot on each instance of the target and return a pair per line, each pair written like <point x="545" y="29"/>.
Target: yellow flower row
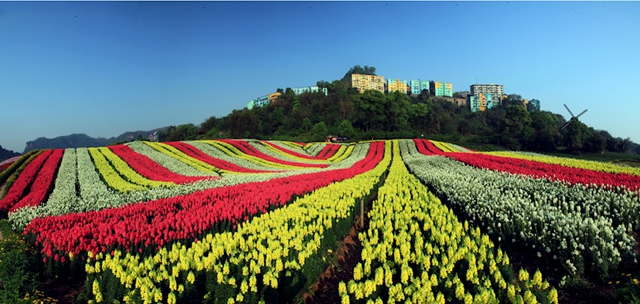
<point x="181" y="156"/>
<point x="235" y="152"/>
<point x="268" y="247"/>
<point x="341" y="154"/>
<point x="443" y="146"/>
<point x="571" y="162"/>
<point x="109" y="174"/>
<point x="284" y="155"/>
<point x="413" y="235"/>
<point x="128" y="173"/>
<point x="292" y="145"/>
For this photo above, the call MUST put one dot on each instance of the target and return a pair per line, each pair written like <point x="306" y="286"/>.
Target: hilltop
<point x="337" y="108"/>
<point x="84" y="140"/>
<point x="6" y="154"/>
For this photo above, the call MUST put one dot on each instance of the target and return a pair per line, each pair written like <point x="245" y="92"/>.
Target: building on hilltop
<point x="396" y="85"/>
<point x="263" y="100"/>
<point x="480" y="102"/>
<point x="418" y="85"/>
<point x="441" y="89"/>
<point x="313" y="89"/>
<point x="364" y="82"/>
<point x="496" y="90"/>
<point x="533" y="105"/>
<point x="266" y="99"/>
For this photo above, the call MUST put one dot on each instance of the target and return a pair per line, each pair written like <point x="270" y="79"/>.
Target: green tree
<point x="346" y="129"/>
<point x="243" y="124"/>
<point x="306" y="125"/>
<point x="397" y="112"/>
<point x="319" y="131"/>
<point x="210" y="123"/>
<point x="367" y="70"/>
<point x="594" y="142"/>
<point x="371" y="110"/>
<point x="517" y="127"/>
<point x="576" y="133"/>
<point x="546" y="131"/>
<point x="418" y="116"/>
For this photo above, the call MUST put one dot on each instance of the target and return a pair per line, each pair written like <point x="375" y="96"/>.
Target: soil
<point x="62" y="290"/>
<point x="325" y="290"/>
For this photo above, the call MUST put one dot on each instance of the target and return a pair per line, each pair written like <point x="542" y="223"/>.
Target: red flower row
<point x="43" y="182"/>
<point x="245" y="147"/>
<point x="328" y="151"/>
<point x="150" y="169"/>
<point x="24" y="180"/>
<point x="206" y="158"/>
<point x="157" y="222"/>
<point x="426" y="147"/>
<point x="536" y="169"/>
<point x="296" y="154"/>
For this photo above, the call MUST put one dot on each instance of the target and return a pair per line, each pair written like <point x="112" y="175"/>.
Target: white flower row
<point x="289" y="146"/>
<point x="217" y="153"/>
<point x="65" y="192"/>
<point x="558" y="221"/>
<point x="314" y="148"/>
<point x="94" y="194"/>
<point x="165" y="160"/>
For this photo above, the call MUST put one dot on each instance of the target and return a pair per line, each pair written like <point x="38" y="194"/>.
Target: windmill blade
<point x="565" y="125"/>
<point x="581" y="113"/>
<point x="569" y="110"/>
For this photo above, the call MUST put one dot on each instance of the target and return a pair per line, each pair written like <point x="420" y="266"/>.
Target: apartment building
<point x="441" y="89"/>
<point x="496" y="91"/>
<point x="418" y="85"/>
<point x="480" y="102"/>
<point x="366" y="82"/>
<point x="263" y="100"/>
<point x="397" y="85"/>
<point x="313" y="89"/>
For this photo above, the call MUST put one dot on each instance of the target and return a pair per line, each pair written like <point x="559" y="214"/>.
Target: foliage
<point x="376" y="115"/>
<point x="18" y="268"/>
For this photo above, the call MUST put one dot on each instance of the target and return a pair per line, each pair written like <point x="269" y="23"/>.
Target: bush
<point x="18" y="268"/>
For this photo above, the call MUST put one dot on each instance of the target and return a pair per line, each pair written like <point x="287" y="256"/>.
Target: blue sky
<point x="104" y="68"/>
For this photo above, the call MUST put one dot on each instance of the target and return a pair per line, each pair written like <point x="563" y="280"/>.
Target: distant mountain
<point x="83" y="140"/>
<point x="6" y="154"/>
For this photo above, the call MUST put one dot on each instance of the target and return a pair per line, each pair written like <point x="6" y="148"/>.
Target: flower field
<point x="248" y="221"/>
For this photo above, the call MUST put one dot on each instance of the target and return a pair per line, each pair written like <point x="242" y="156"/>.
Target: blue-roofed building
<point x="313" y="89"/>
<point x="418" y="85"/>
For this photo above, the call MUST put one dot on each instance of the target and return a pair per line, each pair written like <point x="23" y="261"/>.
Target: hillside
<point x="83" y="140"/>
<point x="6" y="154"/>
<point x="493" y="225"/>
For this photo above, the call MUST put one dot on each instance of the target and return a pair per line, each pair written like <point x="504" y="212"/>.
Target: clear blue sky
<point x="104" y="68"/>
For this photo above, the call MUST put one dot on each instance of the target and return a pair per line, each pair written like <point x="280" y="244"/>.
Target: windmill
<point x="572" y="117"/>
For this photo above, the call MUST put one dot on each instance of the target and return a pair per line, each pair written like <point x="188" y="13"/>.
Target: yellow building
<point x="273" y="96"/>
<point x="480" y="102"/>
<point x="483" y="101"/>
<point x="367" y="82"/>
<point x="399" y="85"/>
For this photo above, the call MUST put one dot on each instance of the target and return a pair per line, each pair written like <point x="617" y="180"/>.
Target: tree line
<point x="345" y="112"/>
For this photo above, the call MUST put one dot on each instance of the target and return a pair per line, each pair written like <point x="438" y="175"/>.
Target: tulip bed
<point x="578" y="227"/>
<point x="230" y="221"/>
<point x="416" y="250"/>
<point x="569" y="162"/>
<point x="537" y="169"/>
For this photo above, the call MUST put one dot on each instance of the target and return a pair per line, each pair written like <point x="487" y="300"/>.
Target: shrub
<point x="18" y="268"/>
